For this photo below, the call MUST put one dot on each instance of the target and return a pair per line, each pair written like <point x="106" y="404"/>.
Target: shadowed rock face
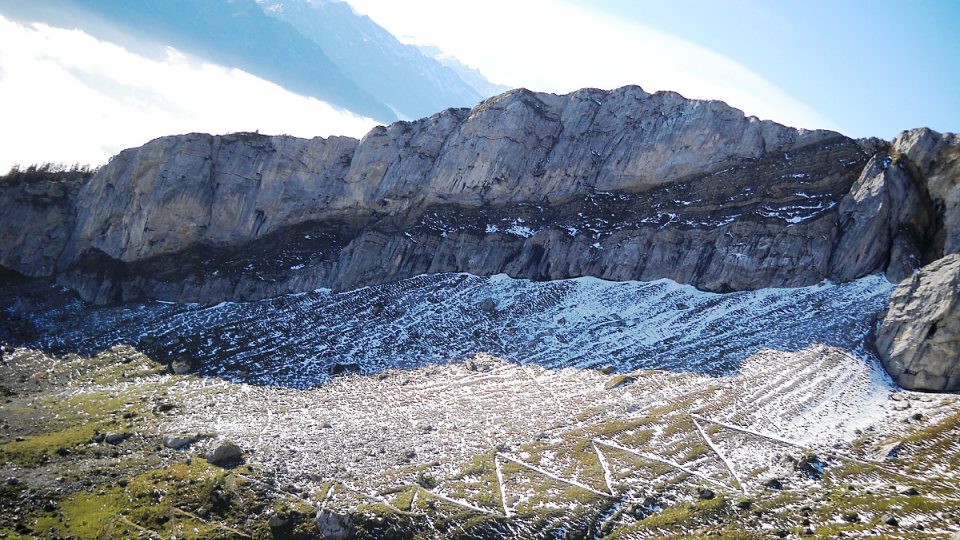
<point x="620" y="185"/>
<point x="919" y="340"/>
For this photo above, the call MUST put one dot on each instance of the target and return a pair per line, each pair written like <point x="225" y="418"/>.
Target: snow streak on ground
<point x="437" y="369"/>
<point x="297" y="341"/>
<point x="533" y="400"/>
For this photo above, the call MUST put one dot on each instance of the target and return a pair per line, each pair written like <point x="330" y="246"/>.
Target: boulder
<point x="116" y="438"/>
<point x="277" y="522"/>
<point x="919" y="338"/>
<point x="178" y="442"/>
<point x="224" y="454"/>
<point x="811" y="466"/>
<point x="705" y="494"/>
<point x="619" y="380"/>
<point x="488" y="305"/>
<point x="773" y="483"/>
<point x="333" y="526"/>
<point x="182" y="365"/>
<point x="343" y="368"/>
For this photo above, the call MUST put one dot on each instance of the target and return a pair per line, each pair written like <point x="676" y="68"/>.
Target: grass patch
<point x="36" y="450"/>
<point x="153" y="500"/>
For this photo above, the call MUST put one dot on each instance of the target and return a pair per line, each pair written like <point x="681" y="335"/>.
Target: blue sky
<point x="873" y="68"/>
<point x="863" y="68"/>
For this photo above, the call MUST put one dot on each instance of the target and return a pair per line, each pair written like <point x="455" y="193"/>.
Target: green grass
<point x="38" y="449"/>
<point x="151" y="500"/>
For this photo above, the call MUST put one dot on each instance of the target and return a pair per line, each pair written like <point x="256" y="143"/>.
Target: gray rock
<point x="811" y="466"/>
<point x="883" y="222"/>
<point x="115" y="438"/>
<point x="936" y="158"/>
<point x="619" y="380"/>
<point x="334" y="526"/>
<point x="224" y="454"/>
<point x="276" y="522"/>
<point x="773" y="483"/>
<point x="178" y="442"/>
<point x="182" y="365"/>
<point x="408" y="197"/>
<point x="35" y="217"/>
<point x="489" y="305"/>
<point x="919" y="339"/>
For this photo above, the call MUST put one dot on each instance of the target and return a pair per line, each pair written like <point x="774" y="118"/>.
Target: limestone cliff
<point x="617" y="184"/>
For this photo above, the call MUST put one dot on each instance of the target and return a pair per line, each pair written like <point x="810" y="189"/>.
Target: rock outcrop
<point x="919" y="339"/>
<point x="886" y="207"/>
<point x="935" y="158"/>
<point x="36" y="217"/>
<point x="520" y="147"/>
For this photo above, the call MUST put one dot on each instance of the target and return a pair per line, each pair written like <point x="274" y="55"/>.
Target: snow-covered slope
<point x="298" y="340"/>
<point x="558" y="406"/>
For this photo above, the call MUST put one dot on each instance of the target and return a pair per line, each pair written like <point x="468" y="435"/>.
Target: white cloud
<point x="549" y="45"/>
<point x="68" y="97"/>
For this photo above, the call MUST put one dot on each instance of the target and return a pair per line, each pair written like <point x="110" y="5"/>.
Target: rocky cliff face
<point x="517" y="148"/>
<point x="620" y="185"/>
<point x="919" y="340"/>
<point x="37" y="213"/>
<point x="615" y="184"/>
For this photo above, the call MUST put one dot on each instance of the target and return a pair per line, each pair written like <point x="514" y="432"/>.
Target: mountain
<point x="410" y="82"/>
<point x="615" y="184"/>
<point x="237" y="33"/>
<point x="314" y="48"/>
<point x="469" y="75"/>
<point x="620" y="185"/>
<point x="599" y="314"/>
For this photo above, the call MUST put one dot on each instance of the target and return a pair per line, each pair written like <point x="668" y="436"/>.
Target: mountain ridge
<point x="620" y="185"/>
<point x="318" y="49"/>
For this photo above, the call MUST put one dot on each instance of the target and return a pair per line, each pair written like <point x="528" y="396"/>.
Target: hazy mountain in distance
<point x="234" y="33"/>
<point x="412" y="83"/>
<point x="469" y="75"/>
